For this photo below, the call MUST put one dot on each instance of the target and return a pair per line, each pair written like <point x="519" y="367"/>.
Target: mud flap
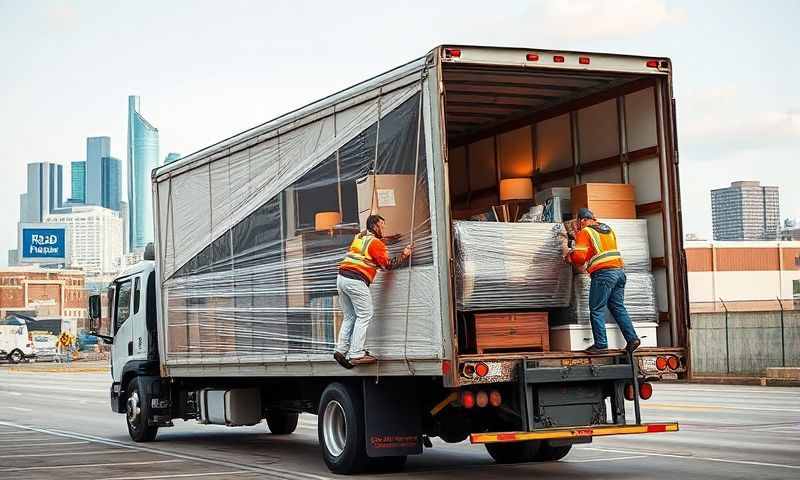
<point x="392" y="420"/>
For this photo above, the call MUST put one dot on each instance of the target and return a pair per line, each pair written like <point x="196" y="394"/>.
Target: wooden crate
<point x="605" y="200"/>
<point x="505" y="332"/>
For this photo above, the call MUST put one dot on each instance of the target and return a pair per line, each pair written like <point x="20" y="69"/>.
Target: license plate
<point x="570" y="362"/>
<point x="649" y="364"/>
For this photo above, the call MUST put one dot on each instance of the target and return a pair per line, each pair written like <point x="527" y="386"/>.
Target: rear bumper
<point x="573" y="432"/>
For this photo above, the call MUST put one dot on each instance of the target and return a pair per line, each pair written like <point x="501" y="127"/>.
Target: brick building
<point x="45" y="293"/>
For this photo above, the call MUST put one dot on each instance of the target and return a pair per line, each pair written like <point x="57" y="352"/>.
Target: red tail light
<point x="452" y="52"/>
<point x="446" y="366"/>
<point x="482" y="399"/>
<point x="532" y="57"/>
<point x="584" y="60"/>
<point x="467" y="399"/>
<point x="558" y="58"/>
<point x="481" y="369"/>
<point x="673" y="363"/>
<point x="661" y="363"/>
<point x="652" y="63"/>
<point x="495" y="399"/>
<point x="629" y="393"/>
<point x="645" y="391"/>
<point x="469" y="370"/>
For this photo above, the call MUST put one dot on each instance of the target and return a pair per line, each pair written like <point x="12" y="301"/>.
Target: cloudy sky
<point x="208" y="69"/>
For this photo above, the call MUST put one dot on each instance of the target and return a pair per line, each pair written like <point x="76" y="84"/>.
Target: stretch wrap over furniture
<point x="640" y="298"/>
<point x="502" y="266"/>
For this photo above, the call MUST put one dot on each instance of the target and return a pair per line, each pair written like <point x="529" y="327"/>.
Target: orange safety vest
<point x="358" y="257"/>
<point x="606" y="253"/>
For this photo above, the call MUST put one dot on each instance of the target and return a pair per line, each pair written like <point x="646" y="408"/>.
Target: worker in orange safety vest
<point x="596" y="248"/>
<point x="367" y="254"/>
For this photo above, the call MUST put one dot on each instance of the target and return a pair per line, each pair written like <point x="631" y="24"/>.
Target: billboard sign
<point x="44" y="243"/>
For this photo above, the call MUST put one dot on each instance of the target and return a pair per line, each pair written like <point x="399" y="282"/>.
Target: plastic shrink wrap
<point x="502" y="266"/>
<point x="249" y="245"/>
<point x="640" y="299"/>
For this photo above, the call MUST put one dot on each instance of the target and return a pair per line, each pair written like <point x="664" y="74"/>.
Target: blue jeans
<point x="608" y="290"/>
<point x="357" y="309"/>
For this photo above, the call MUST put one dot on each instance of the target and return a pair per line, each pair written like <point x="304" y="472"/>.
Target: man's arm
<point x="581" y="252"/>
<point x="379" y="253"/>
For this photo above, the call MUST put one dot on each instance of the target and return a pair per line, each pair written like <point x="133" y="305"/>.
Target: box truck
<point x="233" y="316"/>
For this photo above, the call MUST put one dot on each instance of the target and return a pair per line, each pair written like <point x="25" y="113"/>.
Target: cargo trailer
<point x="233" y="316"/>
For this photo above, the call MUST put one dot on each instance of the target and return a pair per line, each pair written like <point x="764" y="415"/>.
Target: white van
<point x="16" y="343"/>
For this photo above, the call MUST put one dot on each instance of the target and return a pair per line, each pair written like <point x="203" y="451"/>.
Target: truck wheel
<point x="340" y="427"/>
<point x="281" y="422"/>
<point x="15" y="356"/>
<point x="136" y="415"/>
<point x="549" y="453"/>
<point x="516" y="452"/>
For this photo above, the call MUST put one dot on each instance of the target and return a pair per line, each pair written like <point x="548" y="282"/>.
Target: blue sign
<point x="44" y="244"/>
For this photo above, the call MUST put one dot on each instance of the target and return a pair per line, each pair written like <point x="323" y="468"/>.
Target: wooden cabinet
<point x="507" y="332"/>
<point x="605" y="200"/>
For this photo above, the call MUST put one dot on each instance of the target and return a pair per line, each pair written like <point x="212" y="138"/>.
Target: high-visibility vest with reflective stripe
<point x="358" y="257"/>
<point x="606" y="253"/>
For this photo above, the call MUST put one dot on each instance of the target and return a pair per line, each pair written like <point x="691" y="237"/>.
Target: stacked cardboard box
<point x="606" y="200"/>
<point x="392" y="197"/>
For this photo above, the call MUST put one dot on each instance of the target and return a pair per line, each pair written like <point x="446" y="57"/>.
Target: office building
<point x="171" y="157"/>
<point x="142" y="159"/>
<point x="78" y="181"/>
<point x="97" y="148"/>
<point x="112" y="180"/>
<point x="123" y="214"/>
<point x="745" y="211"/>
<point x="790" y="230"/>
<point x="44" y="195"/>
<point x="95" y="238"/>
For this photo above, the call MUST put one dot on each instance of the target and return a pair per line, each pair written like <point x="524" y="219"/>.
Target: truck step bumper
<point x="572" y="432"/>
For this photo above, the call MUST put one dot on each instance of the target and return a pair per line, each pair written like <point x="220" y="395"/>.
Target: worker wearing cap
<point x="366" y="255"/>
<point x="596" y="247"/>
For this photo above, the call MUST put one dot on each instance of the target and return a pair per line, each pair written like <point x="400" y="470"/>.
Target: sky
<point x="205" y="70"/>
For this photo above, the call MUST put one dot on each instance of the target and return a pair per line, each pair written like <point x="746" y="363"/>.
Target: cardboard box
<point x="563" y="193"/>
<point x="566" y="338"/>
<point x="606" y="200"/>
<point x="392" y="197"/>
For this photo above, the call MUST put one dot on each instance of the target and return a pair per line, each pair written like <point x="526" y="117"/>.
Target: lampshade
<point x="326" y="220"/>
<point x="516" y="189"/>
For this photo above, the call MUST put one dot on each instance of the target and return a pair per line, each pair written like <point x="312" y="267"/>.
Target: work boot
<point x="365" y="360"/>
<point x="594" y="350"/>
<point x="633" y="345"/>
<point x="342" y="360"/>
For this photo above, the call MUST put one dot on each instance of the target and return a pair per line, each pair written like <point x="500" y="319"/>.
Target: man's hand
<point x="408" y="250"/>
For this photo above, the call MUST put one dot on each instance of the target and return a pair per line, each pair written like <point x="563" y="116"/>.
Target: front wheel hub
<point x="334" y="428"/>
<point x="133" y="408"/>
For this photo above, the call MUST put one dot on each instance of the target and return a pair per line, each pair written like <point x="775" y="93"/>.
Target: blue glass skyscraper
<point x="112" y="180"/>
<point x="78" y="182"/>
<point x="96" y="149"/>
<point x="142" y="159"/>
<point x="171" y="157"/>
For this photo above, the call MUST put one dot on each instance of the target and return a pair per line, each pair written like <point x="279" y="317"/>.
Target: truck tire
<point x="281" y="422"/>
<point x="340" y="427"/>
<point x="387" y="464"/>
<point x="549" y="453"/>
<point x="16" y="356"/>
<point x="136" y="414"/>
<point x="514" y="452"/>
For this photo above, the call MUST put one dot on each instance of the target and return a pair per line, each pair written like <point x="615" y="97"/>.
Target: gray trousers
<point x="357" y="308"/>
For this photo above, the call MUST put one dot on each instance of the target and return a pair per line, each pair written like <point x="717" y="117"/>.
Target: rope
<point x="411" y="233"/>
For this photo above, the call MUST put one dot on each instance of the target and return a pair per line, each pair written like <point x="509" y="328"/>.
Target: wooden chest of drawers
<point x="508" y="332"/>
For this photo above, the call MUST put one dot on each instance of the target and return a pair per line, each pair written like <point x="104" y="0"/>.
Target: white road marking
<point x="24" y="386"/>
<point x="21" y="432"/>
<point x="178" y="475"/>
<point x="703" y="406"/>
<point x="284" y="474"/>
<point x="85" y="465"/>
<point x="20" y="409"/>
<point x="46" y="444"/>
<point x="64" y="399"/>
<point x="706" y="459"/>
<point x="612" y="459"/>
<point x="86" y="452"/>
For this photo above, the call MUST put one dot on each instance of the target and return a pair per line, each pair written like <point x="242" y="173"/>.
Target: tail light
<point x="467" y="399"/>
<point x="452" y="52"/>
<point x="584" y="60"/>
<point x="446" y="366"/>
<point x="532" y="57"/>
<point x="645" y="391"/>
<point x="469" y="370"/>
<point x="481" y="369"/>
<point x="482" y="399"/>
<point x="652" y="63"/>
<point x="558" y="58"/>
<point x="661" y="363"/>
<point x="495" y="399"/>
<point x="629" y="393"/>
<point x="673" y="363"/>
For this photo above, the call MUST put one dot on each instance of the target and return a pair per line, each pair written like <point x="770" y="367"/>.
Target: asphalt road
<point x="59" y="425"/>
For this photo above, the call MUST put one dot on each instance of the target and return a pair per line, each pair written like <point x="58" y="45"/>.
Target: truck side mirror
<point x="94" y="318"/>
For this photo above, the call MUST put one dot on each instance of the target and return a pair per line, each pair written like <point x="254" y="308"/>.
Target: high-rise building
<point x="171" y="157"/>
<point x="123" y="214"/>
<point x="790" y="230"/>
<point x="112" y="180"/>
<point x="44" y="195"/>
<point x="97" y="148"/>
<point x="142" y="159"/>
<point x="95" y="238"/>
<point x="78" y="182"/>
<point x="745" y="211"/>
